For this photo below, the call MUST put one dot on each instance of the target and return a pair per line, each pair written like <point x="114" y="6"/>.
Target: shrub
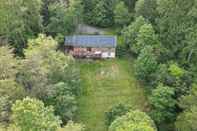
<point x="115" y="112"/>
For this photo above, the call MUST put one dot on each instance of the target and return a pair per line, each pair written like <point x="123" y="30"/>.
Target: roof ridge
<point x="91" y="40"/>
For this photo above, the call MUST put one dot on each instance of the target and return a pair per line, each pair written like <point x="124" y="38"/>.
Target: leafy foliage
<point x="174" y="25"/>
<point x="63" y="20"/>
<point x="72" y="127"/>
<point x="103" y="13"/>
<point x="8" y="64"/>
<point x="130" y="33"/>
<point x="31" y="114"/>
<point x="64" y="101"/>
<point x="51" y="76"/>
<point x="116" y="112"/>
<point x="121" y="14"/>
<point x="20" y="20"/>
<point x="130" y="4"/>
<point x="163" y="103"/>
<point x="189" y="100"/>
<point x="146" y="36"/>
<point x="10" y="90"/>
<point x="176" y="71"/>
<point x="147" y="9"/>
<point x="132" y="121"/>
<point x="146" y="65"/>
<point x="186" y="121"/>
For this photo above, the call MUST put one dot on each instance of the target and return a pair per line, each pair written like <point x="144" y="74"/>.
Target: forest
<point x="151" y="85"/>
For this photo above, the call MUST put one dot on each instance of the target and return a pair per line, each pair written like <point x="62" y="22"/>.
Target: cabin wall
<point x="92" y="52"/>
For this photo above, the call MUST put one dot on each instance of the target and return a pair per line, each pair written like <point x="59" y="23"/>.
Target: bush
<point x="115" y="112"/>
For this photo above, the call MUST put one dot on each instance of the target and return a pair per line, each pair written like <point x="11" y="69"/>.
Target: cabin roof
<point x="91" y="41"/>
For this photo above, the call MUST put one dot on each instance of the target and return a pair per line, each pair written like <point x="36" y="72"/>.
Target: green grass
<point x="106" y="83"/>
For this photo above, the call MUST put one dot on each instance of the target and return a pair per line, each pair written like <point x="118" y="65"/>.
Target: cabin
<point x="91" y="46"/>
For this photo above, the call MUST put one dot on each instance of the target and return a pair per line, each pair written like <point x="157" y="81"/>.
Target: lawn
<point x="106" y="83"/>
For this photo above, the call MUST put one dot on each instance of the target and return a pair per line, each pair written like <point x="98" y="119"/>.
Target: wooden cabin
<point x="91" y="46"/>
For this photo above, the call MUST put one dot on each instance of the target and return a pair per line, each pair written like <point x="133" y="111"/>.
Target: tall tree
<point x="147" y="9"/>
<point x="133" y="121"/>
<point x="63" y="100"/>
<point x="8" y="63"/>
<point x="130" y="4"/>
<point x="176" y="18"/>
<point x="103" y="13"/>
<point x="62" y="19"/>
<point x="187" y="101"/>
<point x="51" y="76"/>
<point x="31" y="114"/>
<point x="187" y="121"/>
<point x="20" y="19"/>
<point x="146" y="65"/>
<point x="163" y="104"/>
<point x="147" y="37"/>
<point x="121" y="14"/>
<point x="89" y="6"/>
<point x="10" y="90"/>
<point x="130" y="33"/>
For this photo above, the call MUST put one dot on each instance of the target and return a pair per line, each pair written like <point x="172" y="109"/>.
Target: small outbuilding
<point x="91" y="46"/>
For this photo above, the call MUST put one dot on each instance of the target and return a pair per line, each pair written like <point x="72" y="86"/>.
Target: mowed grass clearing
<point x="106" y="83"/>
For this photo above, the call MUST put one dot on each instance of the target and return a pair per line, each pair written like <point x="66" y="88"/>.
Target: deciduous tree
<point x="20" y="20"/>
<point x="121" y="14"/>
<point x="186" y="121"/>
<point x="163" y="104"/>
<point x="31" y="114"/>
<point x="130" y="33"/>
<point x="146" y="65"/>
<point x="147" y="9"/>
<point x="132" y="121"/>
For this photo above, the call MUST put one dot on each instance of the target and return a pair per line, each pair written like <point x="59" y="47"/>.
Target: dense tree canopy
<point x="189" y="100"/>
<point x="146" y="36"/>
<point x="146" y="65"/>
<point x="186" y="121"/>
<point x="8" y="64"/>
<point x="147" y="9"/>
<point x="163" y="103"/>
<point x="20" y="20"/>
<point x="50" y="75"/>
<point x="63" y="20"/>
<point x="24" y="19"/>
<point x="103" y="13"/>
<point x="160" y="36"/>
<point x="121" y="14"/>
<point x="31" y="114"/>
<point x="176" y="19"/>
<point x="131" y="32"/>
<point x="10" y="90"/>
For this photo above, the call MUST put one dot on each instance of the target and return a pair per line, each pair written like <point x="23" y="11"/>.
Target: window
<point x="89" y="49"/>
<point x="71" y="48"/>
<point x="109" y="53"/>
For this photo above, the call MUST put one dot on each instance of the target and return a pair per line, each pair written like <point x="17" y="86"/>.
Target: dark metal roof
<point x="90" y="41"/>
